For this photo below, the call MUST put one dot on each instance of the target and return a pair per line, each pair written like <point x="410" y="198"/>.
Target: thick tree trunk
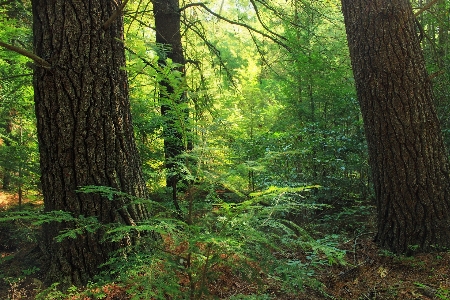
<point x="406" y="150"/>
<point x="84" y="129"/>
<point x="168" y="35"/>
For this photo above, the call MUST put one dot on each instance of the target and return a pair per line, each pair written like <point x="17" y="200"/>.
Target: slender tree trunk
<point x="406" y="150"/>
<point x="8" y="130"/>
<point x="84" y="129"/>
<point x="168" y="35"/>
<point x="439" y="53"/>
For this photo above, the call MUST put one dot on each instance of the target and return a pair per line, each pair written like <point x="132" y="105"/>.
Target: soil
<point x="370" y="273"/>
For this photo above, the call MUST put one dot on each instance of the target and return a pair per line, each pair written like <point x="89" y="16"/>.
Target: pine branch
<point x="202" y="5"/>
<point x="213" y="50"/>
<point x="40" y="61"/>
<point x="261" y="54"/>
<point x="262" y="23"/>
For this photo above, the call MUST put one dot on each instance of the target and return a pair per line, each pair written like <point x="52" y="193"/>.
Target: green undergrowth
<point x="214" y="244"/>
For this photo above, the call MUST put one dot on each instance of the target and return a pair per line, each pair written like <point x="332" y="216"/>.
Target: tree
<point x="18" y="146"/>
<point x="168" y="35"/>
<point x="433" y="25"/>
<point x="406" y="151"/>
<point x="84" y="129"/>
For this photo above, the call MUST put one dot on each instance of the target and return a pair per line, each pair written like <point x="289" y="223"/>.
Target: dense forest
<point x="229" y="149"/>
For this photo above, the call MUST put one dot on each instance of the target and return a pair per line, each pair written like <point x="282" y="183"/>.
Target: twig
<point x="192" y="5"/>
<point x="427" y="291"/>
<point x="15" y="76"/>
<point x="436" y="74"/>
<point x="262" y="23"/>
<point x="426" y="7"/>
<point x="272" y="38"/>
<point x="42" y="62"/>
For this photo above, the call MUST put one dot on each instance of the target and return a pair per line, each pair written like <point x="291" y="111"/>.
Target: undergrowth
<point x="215" y="242"/>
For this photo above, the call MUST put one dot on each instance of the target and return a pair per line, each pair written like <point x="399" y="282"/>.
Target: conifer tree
<point x="406" y="150"/>
<point x="84" y="129"/>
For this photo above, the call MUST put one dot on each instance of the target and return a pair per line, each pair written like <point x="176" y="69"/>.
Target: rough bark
<point x="84" y="129"/>
<point x="168" y="35"/>
<point x="406" y="150"/>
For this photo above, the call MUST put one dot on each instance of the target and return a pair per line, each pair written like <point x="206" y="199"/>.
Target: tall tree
<point x="433" y="25"/>
<point x="84" y="129"/>
<point x="406" y="150"/>
<point x="15" y="28"/>
<point x="168" y="36"/>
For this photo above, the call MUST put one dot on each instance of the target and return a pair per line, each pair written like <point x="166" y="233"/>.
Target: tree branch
<point x="191" y="5"/>
<point x="263" y="57"/>
<point x="15" y="76"/>
<point x="40" y="61"/>
<point x="213" y="50"/>
<point x="262" y="23"/>
<point x="202" y="5"/>
<point x="114" y="15"/>
<point x="436" y="74"/>
<point x="426" y="7"/>
<point x="6" y="2"/>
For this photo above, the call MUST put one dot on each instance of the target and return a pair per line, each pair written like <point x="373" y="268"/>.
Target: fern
<point x="250" y="241"/>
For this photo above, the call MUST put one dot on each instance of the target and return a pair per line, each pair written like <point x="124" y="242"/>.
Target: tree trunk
<point x="84" y="129"/>
<point x="406" y="150"/>
<point x="168" y="36"/>
<point x="7" y="171"/>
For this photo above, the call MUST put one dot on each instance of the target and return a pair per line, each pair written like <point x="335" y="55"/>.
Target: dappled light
<point x="245" y="149"/>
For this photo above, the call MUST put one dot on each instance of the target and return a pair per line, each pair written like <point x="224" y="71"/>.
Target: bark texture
<point x="406" y="150"/>
<point x="168" y="36"/>
<point x="84" y="129"/>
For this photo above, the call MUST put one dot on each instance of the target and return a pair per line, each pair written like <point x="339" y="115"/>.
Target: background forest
<point x="274" y="176"/>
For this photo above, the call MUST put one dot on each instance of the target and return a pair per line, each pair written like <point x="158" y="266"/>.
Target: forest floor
<point x="371" y="273"/>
